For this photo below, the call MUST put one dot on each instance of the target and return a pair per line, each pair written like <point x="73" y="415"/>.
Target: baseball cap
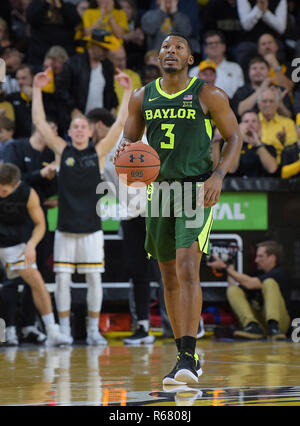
<point x="103" y="38"/>
<point x="207" y="64"/>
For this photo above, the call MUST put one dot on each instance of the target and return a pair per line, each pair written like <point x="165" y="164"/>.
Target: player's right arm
<point x="135" y="123"/>
<point x="54" y="142"/>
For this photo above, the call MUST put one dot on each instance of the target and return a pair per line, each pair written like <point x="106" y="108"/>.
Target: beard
<point x="170" y="70"/>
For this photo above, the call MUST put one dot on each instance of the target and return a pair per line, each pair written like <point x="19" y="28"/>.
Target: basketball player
<point x="176" y="111"/>
<point x="79" y="238"/>
<point x="17" y="251"/>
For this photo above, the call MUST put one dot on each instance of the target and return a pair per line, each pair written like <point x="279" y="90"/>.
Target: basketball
<point x="139" y="163"/>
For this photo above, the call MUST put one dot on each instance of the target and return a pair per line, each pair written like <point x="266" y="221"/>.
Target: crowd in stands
<point x="244" y="47"/>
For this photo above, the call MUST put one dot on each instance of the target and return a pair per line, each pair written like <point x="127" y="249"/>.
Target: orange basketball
<point x="139" y="162"/>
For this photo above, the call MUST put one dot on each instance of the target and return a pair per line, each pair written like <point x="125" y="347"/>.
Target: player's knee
<point x="187" y="274"/>
<point x="31" y="276"/>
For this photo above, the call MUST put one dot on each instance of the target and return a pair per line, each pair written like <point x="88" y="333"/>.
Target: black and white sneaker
<point x="187" y="368"/>
<point x="274" y="332"/>
<point x="139" y="337"/>
<point x="32" y="334"/>
<point x="171" y="379"/>
<point x="251" y="332"/>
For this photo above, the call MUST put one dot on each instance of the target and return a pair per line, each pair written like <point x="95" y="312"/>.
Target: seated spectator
<point x="267" y="47"/>
<point x="245" y="98"/>
<point x="87" y="80"/>
<point x="229" y="74"/>
<point x="290" y="156"/>
<point x="261" y="303"/>
<point x="134" y="39"/>
<point x="149" y="73"/>
<point x="257" y="18"/>
<point x="151" y="57"/>
<point x="119" y="59"/>
<point x="4" y="34"/>
<point x="222" y="15"/>
<point x="55" y="58"/>
<point x="105" y="15"/>
<point x="256" y="159"/>
<point x="13" y="59"/>
<point x="21" y="102"/>
<point x="7" y="128"/>
<point x="6" y="108"/>
<point x="208" y="72"/>
<point x="52" y="22"/>
<point x="166" y="18"/>
<point x="277" y="130"/>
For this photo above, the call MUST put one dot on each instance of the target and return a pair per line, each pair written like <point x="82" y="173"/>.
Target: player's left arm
<point x="106" y="144"/>
<point x="38" y="218"/>
<point x="215" y="102"/>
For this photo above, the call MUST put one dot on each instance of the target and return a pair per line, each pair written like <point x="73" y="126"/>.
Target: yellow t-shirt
<point x="136" y="84"/>
<point x="276" y="125"/>
<point x="90" y="16"/>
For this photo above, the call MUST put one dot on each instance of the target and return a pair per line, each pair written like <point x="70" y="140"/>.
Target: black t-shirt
<point x="250" y="164"/>
<point x="281" y="276"/>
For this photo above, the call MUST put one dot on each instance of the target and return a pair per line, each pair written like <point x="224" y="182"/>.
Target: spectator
<point x="13" y="59"/>
<point x="7" y="128"/>
<point x="20" y="28"/>
<point x="4" y="34"/>
<point x="21" y="102"/>
<point x="6" y="108"/>
<point x="245" y="98"/>
<point x="81" y="7"/>
<point x="105" y="15"/>
<point x="157" y="23"/>
<point x="55" y="59"/>
<point x="268" y="49"/>
<point x="222" y="15"/>
<point x="38" y="169"/>
<point x="269" y="291"/>
<point x="149" y="73"/>
<point x="290" y="156"/>
<point x="277" y="130"/>
<point x="151" y="58"/>
<point x="119" y="59"/>
<point x="257" y="18"/>
<point x="134" y="39"/>
<point x="53" y="22"/>
<point x="208" y="72"/>
<point x="256" y="159"/>
<point x="87" y="80"/>
<point x="229" y="74"/>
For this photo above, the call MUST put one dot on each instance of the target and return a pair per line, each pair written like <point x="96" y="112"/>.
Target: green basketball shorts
<point x="174" y="220"/>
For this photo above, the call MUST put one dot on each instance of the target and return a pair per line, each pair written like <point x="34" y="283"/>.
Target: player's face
<point x="175" y="54"/>
<point x="6" y="190"/>
<point x="80" y="132"/>
<point x="263" y="261"/>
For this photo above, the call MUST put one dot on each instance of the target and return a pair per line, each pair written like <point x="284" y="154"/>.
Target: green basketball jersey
<point x="178" y="130"/>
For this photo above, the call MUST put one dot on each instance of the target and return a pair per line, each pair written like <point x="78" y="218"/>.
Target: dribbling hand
<point x="121" y="148"/>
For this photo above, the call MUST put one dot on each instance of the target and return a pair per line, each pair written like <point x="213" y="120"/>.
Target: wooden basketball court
<point x="234" y="374"/>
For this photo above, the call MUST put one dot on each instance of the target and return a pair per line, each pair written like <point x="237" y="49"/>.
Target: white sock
<point x="93" y="323"/>
<point x="48" y="320"/>
<point x="145" y="324"/>
<point x="64" y="321"/>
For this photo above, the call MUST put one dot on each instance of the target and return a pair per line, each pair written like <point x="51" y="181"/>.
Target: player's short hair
<point x="7" y="124"/>
<point x="79" y="115"/>
<point x="100" y="114"/>
<point x="258" y="60"/>
<point x="175" y="34"/>
<point x="272" y="247"/>
<point x="9" y="174"/>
